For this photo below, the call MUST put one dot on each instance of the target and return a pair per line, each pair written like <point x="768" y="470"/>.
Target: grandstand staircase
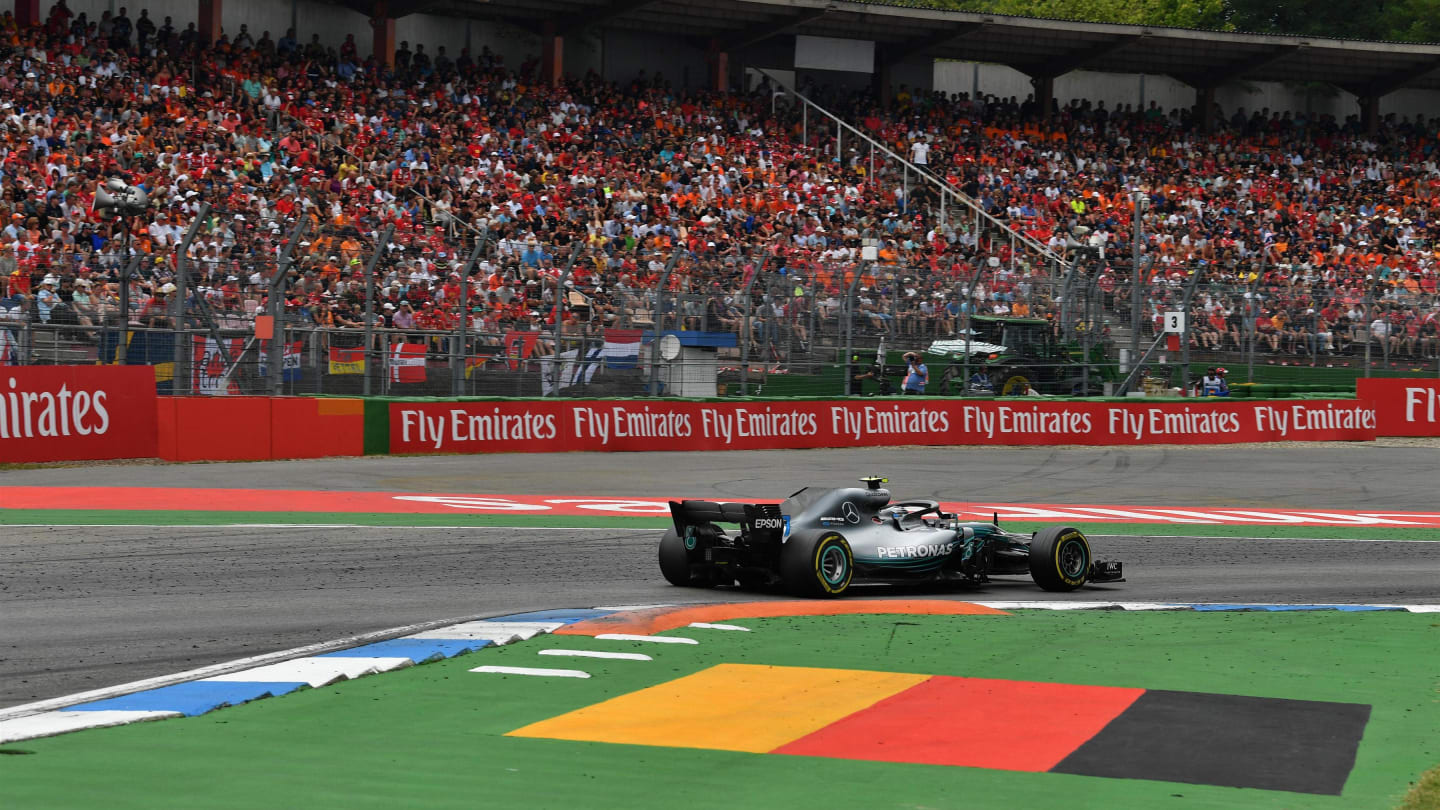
<point x="945" y="189"/>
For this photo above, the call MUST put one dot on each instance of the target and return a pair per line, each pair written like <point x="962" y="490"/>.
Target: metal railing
<point x="946" y="190"/>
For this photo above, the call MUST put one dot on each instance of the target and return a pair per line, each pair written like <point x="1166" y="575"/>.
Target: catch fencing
<point x="286" y="306"/>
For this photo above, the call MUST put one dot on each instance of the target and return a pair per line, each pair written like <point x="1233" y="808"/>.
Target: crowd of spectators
<point x="1312" y="227"/>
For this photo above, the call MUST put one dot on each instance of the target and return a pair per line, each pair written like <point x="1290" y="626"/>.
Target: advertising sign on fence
<point x="67" y="413"/>
<point x="1403" y="406"/>
<point x="595" y="425"/>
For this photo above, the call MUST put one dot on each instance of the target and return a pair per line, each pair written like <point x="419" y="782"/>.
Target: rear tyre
<point x="1060" y="559"/>
<point x="817" y="565"/>
<point x="675" y="561"/>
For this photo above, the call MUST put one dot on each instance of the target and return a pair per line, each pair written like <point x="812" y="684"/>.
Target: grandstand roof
<point x="1033" y="46"/>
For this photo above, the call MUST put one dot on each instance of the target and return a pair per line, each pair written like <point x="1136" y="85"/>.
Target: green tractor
<point x="1010" y="356"/>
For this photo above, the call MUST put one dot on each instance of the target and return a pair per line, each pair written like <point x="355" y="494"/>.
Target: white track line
<point x="655" y="639"/>
<point x="709" y="626"/>
<point x="537" y="671"/>
<point x="619" y="656"/>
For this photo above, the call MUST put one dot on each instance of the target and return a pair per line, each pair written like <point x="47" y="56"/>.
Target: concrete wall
<point x="626" y="53"/>
<point x="1129" y="88"/>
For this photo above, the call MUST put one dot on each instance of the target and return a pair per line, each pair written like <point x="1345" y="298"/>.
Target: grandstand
<point x="795" y="173"/>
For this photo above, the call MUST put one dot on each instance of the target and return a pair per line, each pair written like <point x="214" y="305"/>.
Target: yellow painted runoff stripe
<point x="730" y="707"/>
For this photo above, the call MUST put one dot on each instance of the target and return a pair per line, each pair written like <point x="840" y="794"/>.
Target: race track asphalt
<point x="86" y="607"/>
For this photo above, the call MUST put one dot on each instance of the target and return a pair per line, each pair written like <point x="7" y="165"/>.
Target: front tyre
<point x="817" y="565"/>
<point x="1060" y="559"/>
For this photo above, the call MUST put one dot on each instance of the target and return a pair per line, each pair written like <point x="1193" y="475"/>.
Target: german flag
<point x="1123" y="732"/>
<point x="347" y="361"/>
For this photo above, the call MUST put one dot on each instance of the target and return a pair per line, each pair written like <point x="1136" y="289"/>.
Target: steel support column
<point x="382" y="34"/>
<point x="552" y="55"/>
<point x="208" y="20"/>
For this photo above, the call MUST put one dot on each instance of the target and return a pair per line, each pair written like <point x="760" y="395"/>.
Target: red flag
<point x="519" y="346"/>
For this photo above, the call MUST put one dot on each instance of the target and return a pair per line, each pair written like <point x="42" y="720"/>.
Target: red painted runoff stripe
<point x="274" y="500"/>
<point x="973" y="723"/>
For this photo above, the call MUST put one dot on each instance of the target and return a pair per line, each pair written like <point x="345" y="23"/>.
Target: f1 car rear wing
<point x="759" y="520"/>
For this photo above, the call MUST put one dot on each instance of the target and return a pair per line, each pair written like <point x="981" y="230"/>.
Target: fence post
<point x="1088" y="337"/>
<point x="127" y="270"/>
<point x="1136" y="285"/>
<point x="747" y="328"/>
<point x="380" y="247"/>
<point x="1195" y="277"/>
<point x="847" y="308"/>
<point x="183" y="352"/>
<point x="556" y="366"/>
<point x="1365" y="324"/>
<point x="277" y="309"/>
<point x="459" y="356"/>
<point x="809" y="344"/>
<point x="316" y="360"/>
<point x="1253" y="306"/>
<point x="659" y="322"/>
<point x="27" y="338"/>
<point x="1250" y="337"/>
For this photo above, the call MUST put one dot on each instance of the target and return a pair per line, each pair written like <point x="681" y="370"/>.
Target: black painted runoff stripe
<point x="1302" y="746"/>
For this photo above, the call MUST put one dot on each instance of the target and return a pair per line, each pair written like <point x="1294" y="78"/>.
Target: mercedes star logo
<point x="852" y="515"/>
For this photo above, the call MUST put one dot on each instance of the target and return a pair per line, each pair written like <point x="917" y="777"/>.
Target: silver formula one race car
<point x="817" y="541"/>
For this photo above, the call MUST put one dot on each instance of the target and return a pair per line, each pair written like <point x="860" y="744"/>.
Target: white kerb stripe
<point x="316" y="671"/>
<point x="49" y="724"/>
<point x="655" y="639"/>
<point x="618" y="608"/>
<point x="599" y="654"/>
<point x="497" y="632"/>
<point x="553" y="673"/>
<point x="500" y="638"/>
<point x="709" y="626"/>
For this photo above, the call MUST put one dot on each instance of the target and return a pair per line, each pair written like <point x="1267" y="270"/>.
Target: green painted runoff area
<point x="432" y="736"/>
<point x="106" y="517"/>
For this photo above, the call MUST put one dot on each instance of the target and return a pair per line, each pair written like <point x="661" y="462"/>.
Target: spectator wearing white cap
<point x="46" y="298"/>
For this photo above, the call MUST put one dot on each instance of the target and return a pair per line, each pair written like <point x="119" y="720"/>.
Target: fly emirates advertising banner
<point x="1404" y="406"/>
<point x="69" y="413"/>
<point x="591" y="425"/>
